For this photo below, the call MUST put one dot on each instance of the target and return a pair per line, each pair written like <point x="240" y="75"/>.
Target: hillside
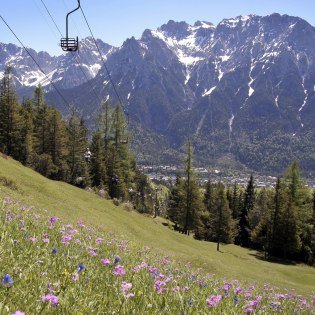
<point x="72" y="204"/>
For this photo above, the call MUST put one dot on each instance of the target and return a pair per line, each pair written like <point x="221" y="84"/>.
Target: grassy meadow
<point x="69" y="251"/>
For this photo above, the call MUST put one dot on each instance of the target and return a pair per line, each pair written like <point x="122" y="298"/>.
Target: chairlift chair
<point x="124" y="138"/>
<point x="70" y="44"/>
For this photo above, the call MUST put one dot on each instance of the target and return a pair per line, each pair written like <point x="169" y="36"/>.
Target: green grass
<point x="73" y="204"/>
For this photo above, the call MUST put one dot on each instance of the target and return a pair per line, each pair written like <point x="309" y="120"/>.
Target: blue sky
<point x="116" y="20"/>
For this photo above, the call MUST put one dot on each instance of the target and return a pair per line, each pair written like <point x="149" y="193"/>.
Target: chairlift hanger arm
<point x="77" y="8"/>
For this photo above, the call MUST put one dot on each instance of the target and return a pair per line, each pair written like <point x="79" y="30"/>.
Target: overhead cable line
<point x="39" y="67"/>
<point x="99" y="51"/>
<point x="51" y="17"/>
<point x="77" y="56"/>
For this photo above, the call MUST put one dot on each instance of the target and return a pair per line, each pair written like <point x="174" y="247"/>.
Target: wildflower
<point x="236" y="301"/>
<point x="7" y="280"/>
<point x="75" y="277"/>
<point x="54" y="300"/>
<point x="105" y="261"/>
<point x="81" y="267"/>
<point x="117" y="260"/>
<point x="33" y="239"/>
<point x="18" y="313"/>
<point x="249" y="311"/>
<point x="190" y="303"/>
<point x="53" y="220"/>
<point x="303" y="302"/>
<point x="159" y="286"/>
<point x="99" y="240"/>
<point x="119" y="270"/>
<point x="54" y="250"/>
<point x="176" y="289"/>
<point x="66" y="239"/>
<point x="45" y="238"/>
<point x="125" y="287"/>
<point x="165" y="262"/>
<point x="214" y="300"/>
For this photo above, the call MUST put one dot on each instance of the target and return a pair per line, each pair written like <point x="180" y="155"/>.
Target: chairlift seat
<point x="69" y="44"/>
<point x="123" y="140"/>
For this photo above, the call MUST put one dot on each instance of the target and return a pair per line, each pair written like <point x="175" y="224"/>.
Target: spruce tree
<point x="78" y="145"/>
<point x="97" y="161"/>
<point x="193" y="201"/>
<point x="120" y="164"/>
<point x="57" y="144"/>
<point x="10" y="121"/>
<point x="41" y="121"/>
<point x="176" y="203"/>
<point x="243" y="238"/>
<point x="221" y="228"/>
<point x="27" y="132"/>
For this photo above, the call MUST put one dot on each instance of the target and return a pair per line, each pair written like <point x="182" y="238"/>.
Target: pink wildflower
<point x="75" y="277"/>
<point x="18" y="313"/>
<point x="105" y="261"/>
<point x="53" y="220"/>
<point x="214" y="300"/>
<point x="51" y="298"/>
<point x="99" y="240"/>
<point x="119" y="270"/>
<point x="66" y="239"/>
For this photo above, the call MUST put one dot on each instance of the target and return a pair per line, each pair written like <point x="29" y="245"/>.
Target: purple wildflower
<point x="7" y="280"/>
<point x="119" y="270"/>
<point x="214" y="300"/>
<point x="54" y="300"/>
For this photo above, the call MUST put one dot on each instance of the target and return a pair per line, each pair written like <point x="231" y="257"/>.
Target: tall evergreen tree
<point x="193" y="200"/>
<point x="243" y="238"/>
<point x="41" y="121"/>
<point x="97" y="162"/>
<point x="120" y="164"/>
<point x="176" y="203"/>
<point x="9" y="116"/>
<point x="222" y="226"/>
<point x="27" y="132"/>
<point x="57" y="143"/>
<point x="78" y="144"/>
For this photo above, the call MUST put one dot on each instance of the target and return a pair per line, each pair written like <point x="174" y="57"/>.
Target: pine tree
<point x="221" y="225"/>
<point x="291" y="238"/>
<point x="57" y="143"/>
<point x="201" y="231"/>
<point x="41" y="121"/>
<point x="10" y="122"/>
<point x="235" y="202"/>
<point x="176" y="203"/>
<point x="144" y="193"/>
<point x="27" y="132"/>
<point x="193" y="201"/>
<point x="243" y="238"/>
<point x="97" y="162"/>
<point x="120" y="164"/>
<point x="78" y="144"/>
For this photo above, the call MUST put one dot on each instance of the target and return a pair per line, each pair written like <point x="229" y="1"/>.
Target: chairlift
<point x="70" y="44"/>
<point x="124" y="138"/>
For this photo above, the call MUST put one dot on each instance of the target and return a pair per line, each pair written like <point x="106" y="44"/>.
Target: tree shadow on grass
<point x="274" y="260"/>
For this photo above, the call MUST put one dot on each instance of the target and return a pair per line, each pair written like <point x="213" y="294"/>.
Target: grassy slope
<point x="72" y="204"/>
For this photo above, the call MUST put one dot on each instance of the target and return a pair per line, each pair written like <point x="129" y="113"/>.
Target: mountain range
<point x="243" y="90"/>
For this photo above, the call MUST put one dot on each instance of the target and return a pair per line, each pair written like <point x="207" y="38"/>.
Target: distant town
<point x="168" y="173"/>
